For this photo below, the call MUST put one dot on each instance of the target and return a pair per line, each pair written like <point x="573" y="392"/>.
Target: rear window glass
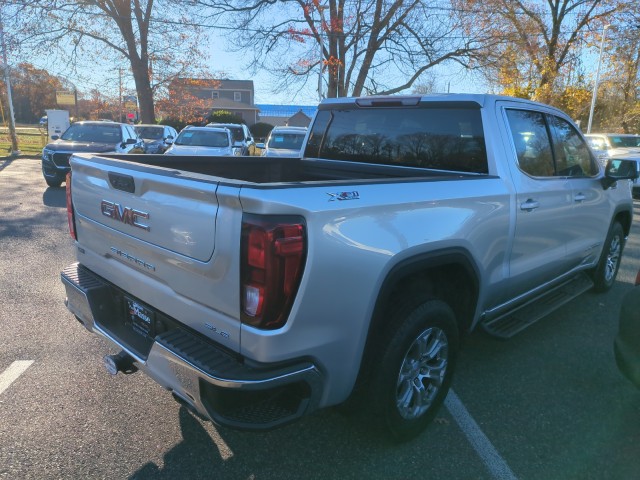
<point x="449" y="139"/>
<point x="150" y="133"/>
<point x="291" y="141"/>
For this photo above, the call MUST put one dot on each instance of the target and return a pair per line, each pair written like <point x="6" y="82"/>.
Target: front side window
<point x="531" y="139"/>
<point x="440" y="138"/>
<point x="572" y="153"/>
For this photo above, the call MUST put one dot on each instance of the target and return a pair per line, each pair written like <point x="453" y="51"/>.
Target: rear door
<point x="591" y="216"/>
<point x="543" y="207"/>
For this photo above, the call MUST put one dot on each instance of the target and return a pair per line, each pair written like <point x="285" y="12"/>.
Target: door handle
<point x="579" y="198"/>
<point x="529" y="205"/>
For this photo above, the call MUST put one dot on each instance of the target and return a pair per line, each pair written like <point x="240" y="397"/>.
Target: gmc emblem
<point x="127" y="215"/>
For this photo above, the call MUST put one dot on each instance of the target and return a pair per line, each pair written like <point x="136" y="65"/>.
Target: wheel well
<point x="451" y="283"/>
<point x="451" y="278"/>
<point x="624" y="218"/>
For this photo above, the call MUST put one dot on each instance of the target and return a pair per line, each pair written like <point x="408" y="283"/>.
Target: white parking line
<point x="479" y="441"/>
<point x="11" y="374"/>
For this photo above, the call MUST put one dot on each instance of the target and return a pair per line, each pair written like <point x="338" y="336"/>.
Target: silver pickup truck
<point x="257" y="290"/>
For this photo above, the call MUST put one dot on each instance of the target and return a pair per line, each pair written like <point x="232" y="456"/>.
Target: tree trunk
<point x="145" y="94"/>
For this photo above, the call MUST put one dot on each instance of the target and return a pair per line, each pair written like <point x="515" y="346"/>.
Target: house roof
<point x="268" y="110"/>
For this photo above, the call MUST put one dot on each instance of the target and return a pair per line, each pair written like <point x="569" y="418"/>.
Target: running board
<point x="513" y="322"/>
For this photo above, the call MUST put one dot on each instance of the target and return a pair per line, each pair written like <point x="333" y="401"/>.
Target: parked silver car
<point x="241" y="135"/>
<point x="212" y="141"/>
<point x="285" y="142"/>
<point x="606" y="145"/>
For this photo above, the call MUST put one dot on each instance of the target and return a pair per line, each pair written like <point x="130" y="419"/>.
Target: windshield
<point x="150" y="133"/>
<point x="237" y="133"/>
<point x="93" y="133"/>
<point x="625" y="141"/>
<point x="290" y="141"/>
<point x="202" y="138"/>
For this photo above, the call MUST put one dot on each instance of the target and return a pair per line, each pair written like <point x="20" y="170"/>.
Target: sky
<point x="106" y="77"/>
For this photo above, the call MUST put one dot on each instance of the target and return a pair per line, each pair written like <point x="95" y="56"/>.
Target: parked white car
<point x="211" y="141"/>
<point x="606" y="145"/>
<point x="285" y="142"/>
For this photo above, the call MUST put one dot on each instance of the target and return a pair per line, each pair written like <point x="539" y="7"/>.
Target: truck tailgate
<point x="128" y="201"/>
<point x="152" y="232"/>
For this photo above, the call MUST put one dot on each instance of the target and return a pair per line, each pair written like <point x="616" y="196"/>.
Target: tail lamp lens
<point x="71" y="219"/>
<point x="273" y="251"/>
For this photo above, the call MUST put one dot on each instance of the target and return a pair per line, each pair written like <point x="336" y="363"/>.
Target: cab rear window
<point x="450" y="139"/>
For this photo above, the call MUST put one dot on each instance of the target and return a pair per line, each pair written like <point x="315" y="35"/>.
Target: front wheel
<point x="415" y="370"/>
<point x="53" y="183"/>
<point x="605" y="273"/>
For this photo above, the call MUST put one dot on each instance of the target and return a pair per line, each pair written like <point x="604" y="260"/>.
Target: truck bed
<point x="263" y="170"/>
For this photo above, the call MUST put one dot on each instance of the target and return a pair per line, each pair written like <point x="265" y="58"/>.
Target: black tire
<point x="423" y="340"/>
<point x="605" y="273"/>
<point x="53" y="183"/>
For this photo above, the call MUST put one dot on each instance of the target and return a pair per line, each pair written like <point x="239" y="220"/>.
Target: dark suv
<point x="92" y="137"/>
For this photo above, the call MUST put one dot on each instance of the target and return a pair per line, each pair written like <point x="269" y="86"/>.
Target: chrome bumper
<point x="220" y="385"/>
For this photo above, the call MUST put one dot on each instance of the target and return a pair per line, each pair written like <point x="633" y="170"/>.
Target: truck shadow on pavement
<point x="194" y="457"/>
<point x="55" y="197"/>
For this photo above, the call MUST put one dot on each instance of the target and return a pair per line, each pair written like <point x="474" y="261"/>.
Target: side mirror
<point x="130" y="141"/>
<point x="168" y="140"/>
<point x="619" y="169"/>
<point x="55" y="137"/>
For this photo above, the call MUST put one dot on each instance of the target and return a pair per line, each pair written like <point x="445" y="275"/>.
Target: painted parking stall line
<point x="479" y="441"/>
<point x="12" y="373"/>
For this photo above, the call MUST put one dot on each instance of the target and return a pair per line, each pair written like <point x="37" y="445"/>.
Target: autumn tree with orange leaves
<point x="362" y="46"/>
<point x="186" y="101"/>
<point x="538" y="43"/>
<point x="33" y="91"/>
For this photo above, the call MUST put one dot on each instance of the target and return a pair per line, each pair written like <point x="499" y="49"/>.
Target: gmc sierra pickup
<point x="257" y="290"/>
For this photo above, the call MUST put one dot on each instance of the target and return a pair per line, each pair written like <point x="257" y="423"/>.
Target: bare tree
<point x="363" y="46"/>
<point x="156" y="38"/>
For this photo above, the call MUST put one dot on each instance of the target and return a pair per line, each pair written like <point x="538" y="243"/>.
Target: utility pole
<point x="595" y="86"/>
<point x="120" y="97"/>
<point x="12" y="125"/>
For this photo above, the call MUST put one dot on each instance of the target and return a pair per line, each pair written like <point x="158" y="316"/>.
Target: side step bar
<point x="514" y="321"/>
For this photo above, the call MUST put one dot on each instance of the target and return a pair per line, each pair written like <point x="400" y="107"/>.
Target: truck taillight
<point x="70" y="214"/>
<point x="273" y="251"/>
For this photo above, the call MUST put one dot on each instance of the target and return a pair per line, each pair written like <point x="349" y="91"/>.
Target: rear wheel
<point x="414" y="372"/>
<point x="605" y="273"/>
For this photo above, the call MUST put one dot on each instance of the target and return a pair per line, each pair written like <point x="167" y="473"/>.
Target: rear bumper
<point x="230" y="390"/>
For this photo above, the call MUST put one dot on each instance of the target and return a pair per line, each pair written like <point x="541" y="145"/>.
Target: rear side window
<point x="572" y="153"/>
<point x="449" y="139"/>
